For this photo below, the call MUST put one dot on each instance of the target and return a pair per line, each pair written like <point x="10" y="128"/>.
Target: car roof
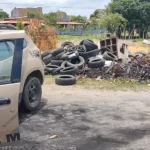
<point x="6" y="27"/>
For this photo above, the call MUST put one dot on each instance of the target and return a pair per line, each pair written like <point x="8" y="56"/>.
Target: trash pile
<point x="88" y="60"/>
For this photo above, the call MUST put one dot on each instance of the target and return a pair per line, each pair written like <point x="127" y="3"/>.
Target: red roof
<point x="13" y="22"/>
<point x="70" y="23"/>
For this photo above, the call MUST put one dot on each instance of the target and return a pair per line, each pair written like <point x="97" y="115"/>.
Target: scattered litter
<point x="53" y="136"/>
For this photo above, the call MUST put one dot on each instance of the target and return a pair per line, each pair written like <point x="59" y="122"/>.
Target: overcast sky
<point x="73" y="7"/>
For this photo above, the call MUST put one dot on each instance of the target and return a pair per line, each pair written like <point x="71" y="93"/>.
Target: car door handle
<point x="5" y="101"/>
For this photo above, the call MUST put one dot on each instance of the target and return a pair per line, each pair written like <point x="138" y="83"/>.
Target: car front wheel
<point x="32" y="94"/>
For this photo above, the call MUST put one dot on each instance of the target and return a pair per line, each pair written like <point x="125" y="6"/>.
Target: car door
<point x="11" y="49"/>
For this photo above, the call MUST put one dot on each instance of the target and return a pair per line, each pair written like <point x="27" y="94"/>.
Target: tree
<point x="98" y="14"/>
<point x="137" y="12"/>
<point x="3" y="15"/>
<point x="20" y="25"/>
<point x="78" y="18"/>
<point x="113" y="21"/>
<point x="51" y="18"/>
<point x="34" y="14"/>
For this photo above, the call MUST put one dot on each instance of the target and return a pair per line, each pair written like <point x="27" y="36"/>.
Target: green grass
<point x="116" y="84"/>
<point x="74" y="37"/>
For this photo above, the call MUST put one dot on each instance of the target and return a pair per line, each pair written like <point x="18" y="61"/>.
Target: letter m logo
<point x="13" y="137"/>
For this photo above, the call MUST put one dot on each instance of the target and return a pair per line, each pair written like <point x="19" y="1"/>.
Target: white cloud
<point x="74" y="7"/>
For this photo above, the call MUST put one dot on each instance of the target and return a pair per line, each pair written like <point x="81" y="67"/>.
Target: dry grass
<point x="117" y="84"/>
<point x="138" y="46"/>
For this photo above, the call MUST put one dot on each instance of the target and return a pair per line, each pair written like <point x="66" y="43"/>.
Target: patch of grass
<point x="74" y="37"/>
<point x="116" y="84"/>
<point x="49" y="79"/>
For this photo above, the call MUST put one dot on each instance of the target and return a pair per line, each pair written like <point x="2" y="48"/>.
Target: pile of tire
<point x="70" y="60"/>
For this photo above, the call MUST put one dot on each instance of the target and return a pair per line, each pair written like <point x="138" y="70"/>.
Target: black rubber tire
<point x="56" y="71"/>
<point x="58" y="57"/>
<point x="46" y="73"/>
<point x="141" y="52"/>
<point x="89" y="54"/>
<point x="26" y="99"/>
<point x="79" y="62"/>
<point x="67" y="44"/>
<point x="73" y="70"/>
<point x="45" y="53"/>
<point x="64" y="64"/>
<point x="89" y="45"/>
<point x="51" y="68"/>
<point x="109" y="56"/>
<point x="81" y="43"/>
<point x="96" y="63"/>
<point x="103" y="50"/>
<point x="56" y="62"/>
<point x="47" y="59"/>
<point x="57" y="51"/>
<point x="65" y="80"/>
<point x="70" y="55"/>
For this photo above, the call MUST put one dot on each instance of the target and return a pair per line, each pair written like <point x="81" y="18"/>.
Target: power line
<point x="44" y="6"/>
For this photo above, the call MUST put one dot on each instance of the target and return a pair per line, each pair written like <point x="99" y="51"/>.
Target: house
<point x="21" y="12"/>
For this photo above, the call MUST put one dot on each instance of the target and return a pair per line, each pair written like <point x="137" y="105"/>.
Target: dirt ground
<point x="87" y="119"/>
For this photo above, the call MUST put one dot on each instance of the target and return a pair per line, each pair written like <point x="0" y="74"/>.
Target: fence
<point x="80" y="31"/>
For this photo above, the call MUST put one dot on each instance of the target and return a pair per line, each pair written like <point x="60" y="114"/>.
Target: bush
<point x="43" y="36"/>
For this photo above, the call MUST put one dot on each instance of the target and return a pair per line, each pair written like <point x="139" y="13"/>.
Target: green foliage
<point x="112" y="21"/>
<point x="3" y="15"/>
<point x="34" y="14"/>
<point x="137" y="12"/>
<point x="78" y="18"/>
<point x="51" y="18"/>
<point x="19" y="25"/>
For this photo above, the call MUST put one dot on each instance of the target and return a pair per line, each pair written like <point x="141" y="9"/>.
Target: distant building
<point x="21" y="12"/>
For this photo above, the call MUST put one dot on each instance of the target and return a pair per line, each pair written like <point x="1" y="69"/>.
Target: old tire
<point x="45" y="53"/>
<point x="89" y="45"/>
<point x="47" y="59"/>
<point x="56" y="62"/>
<point x="57" y="51"/>
<point x="96" y="63"/>
<point x="73" y="70"/>
<point x="51" y="68"/>
<point x="109" y="56"/>
<point x="67" y="44"/>
<point x="89" y="54"/>
<point x="81" y="43"/>
<point x="70" y="55"/>
<point x="65" y="80"/>
<point x="78" y="62"/>
<point x="32" y="94"/>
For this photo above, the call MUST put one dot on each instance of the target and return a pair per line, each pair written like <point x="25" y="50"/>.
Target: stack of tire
<point x="70" y="60"/>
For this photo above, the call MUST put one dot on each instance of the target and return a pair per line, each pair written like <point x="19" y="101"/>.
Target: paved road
<point x="88" y="119"/>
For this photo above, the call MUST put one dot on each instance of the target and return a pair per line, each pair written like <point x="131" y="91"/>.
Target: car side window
<point x="6" y="59"/>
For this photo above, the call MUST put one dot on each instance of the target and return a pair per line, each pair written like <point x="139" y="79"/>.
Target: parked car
<point x="21" y="77"/>
<point x="7" y="27"/>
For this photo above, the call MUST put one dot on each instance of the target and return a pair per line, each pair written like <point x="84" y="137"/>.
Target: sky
<point x="71" y="7"/>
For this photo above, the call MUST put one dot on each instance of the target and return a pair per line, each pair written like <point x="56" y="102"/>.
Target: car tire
<point x="56" y="62"/>
<point x="89" y="45"/>
<point x="109" y="56"/>
<point x="73" y="70"/>
<point x="58" y="57"/>
<point x="96" y="63"/>
<point x="32" y="94"/>
<point x="78" y="62"/>
<point x="67" y="44"/>
<point x="70" y="55"/>
<point x="65" y="80"/>
<point x="45" y="53"/>
<point x="47" y="59"/>
<point x="89" y="54"/>
<point x="50" y="68"/>
<point x="81" y="43"/>
<point x="103" y="50"/>
<point x="46" y="73"/>
<point x="57" y="51"/>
